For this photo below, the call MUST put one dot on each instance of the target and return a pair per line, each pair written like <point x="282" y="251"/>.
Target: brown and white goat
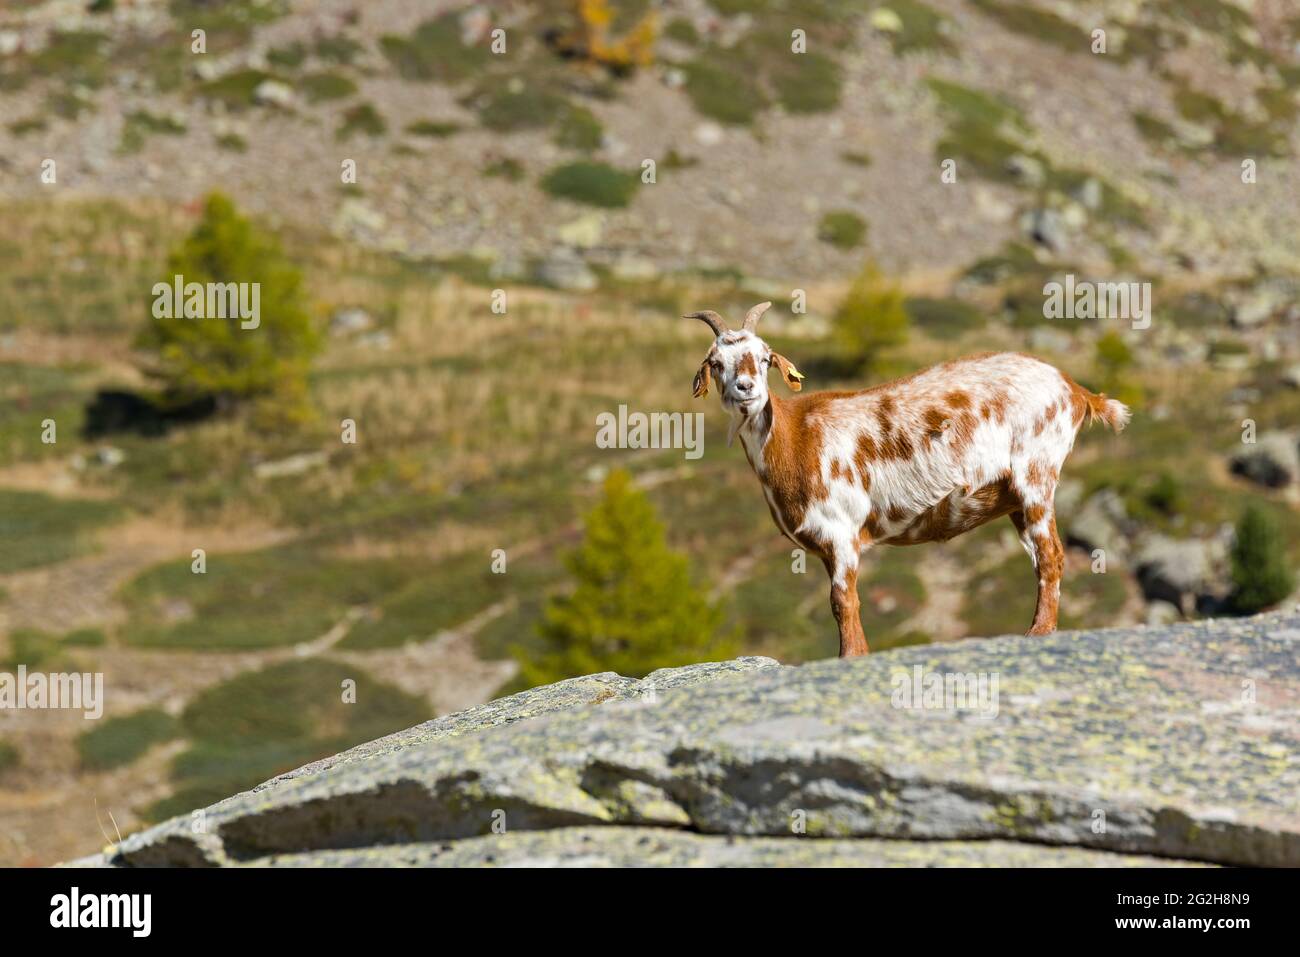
<point x="921" y="459"/>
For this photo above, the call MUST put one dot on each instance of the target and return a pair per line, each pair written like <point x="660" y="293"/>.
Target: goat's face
<point x="738" y="362"/>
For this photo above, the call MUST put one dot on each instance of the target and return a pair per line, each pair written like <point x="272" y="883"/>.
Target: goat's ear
<point x="701" y="385"/>
<point x="789" y="373"/>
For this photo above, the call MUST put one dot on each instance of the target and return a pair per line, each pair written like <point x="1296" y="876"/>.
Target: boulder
<point x="564" y="269"/>
<point x="1044" y="227"/>
<point x="1187" y="573"/>
<point x="1272" y="461"/>
<point x="1081" y="748"/>
<point x="1101" y="523"/>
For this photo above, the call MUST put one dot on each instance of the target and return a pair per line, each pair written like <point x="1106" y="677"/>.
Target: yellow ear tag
<point x="795" y="372"/>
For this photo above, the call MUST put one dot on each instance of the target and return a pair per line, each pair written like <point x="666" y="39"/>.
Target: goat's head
<point x="738" y="361"/>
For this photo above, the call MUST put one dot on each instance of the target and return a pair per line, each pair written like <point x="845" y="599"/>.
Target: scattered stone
<point x="1291" y="376"/>
<point x="584" y="232"/>
<point x="347" y="321"/>
<point x="708" y="134"/>
<point x="1089" y="193"/>
<point x="109" y="456"/>
<point x="629" y="268"/>
<point x="508" y="267"/>
<point x="1184" y="573"/>
<point x="293" y="465"/>
<point x="1101" y="523"/>
<point x="886" y="20"/>
<point x="1162" y="613"/>
<point x="990" y="207"/>
<point x="274" y="93"/>
<point x="1050" y="339"/>
<point x="564" y="269"/>
<point x="1045" y="228"/>
<point x="1273" y="461"/>
<point x="1026" y="169"/>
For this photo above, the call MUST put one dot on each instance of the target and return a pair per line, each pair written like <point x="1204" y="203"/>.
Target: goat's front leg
<point x="1037" y="528"/>
<point x="845" y="605"/>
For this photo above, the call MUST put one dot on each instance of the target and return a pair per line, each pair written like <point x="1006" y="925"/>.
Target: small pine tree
<point x="872" y="318"/>
<point x="1261" y="575"/>
<point x="210" y="357"/>
<point x="633" y="608"/>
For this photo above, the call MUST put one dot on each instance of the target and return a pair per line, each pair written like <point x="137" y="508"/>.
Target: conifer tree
<point x="633" y="607"/>
<point x="199" y="357"/>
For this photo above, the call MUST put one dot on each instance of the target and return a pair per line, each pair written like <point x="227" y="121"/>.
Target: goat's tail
<point x="1112" y="412"/>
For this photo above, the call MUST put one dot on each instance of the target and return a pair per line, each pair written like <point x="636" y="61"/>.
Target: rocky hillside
<point x="1098" y="748"/>
<point x="1126" y="158"/>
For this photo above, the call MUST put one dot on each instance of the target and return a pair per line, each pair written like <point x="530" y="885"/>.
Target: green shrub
<point x="842" y="229"/>
<point x="1155" y="130"/>
<point x="923" y="28"/>
<point x="9" y="757"/>
<point x="722" y="92"/>
<point x="506" y="167"/>
<point x="434" y="52"/>
<point x="633" y="608"/>
<point x="75" y="57"/>
<point x="578" y="129"/>
<point x="1261" y="572"/>
<point x="319" y="87"/>
<point x="597" y="184"/>
<point x="433" y="129"/>
<point x="139" y="124"/>
<point x="806" y="82"/>
<point x="235" y="90"/>
<point x="33" y="124"/>
<point x="216" y="357"/>
<point x="116" y="742"/>
<point x="983" y="130"/>
<point x="288" y="57"/>
<point x="682" y="31"/>
<point x="85" y="638"/>
<point x="338" y="49"/>
<point x="362" y="118"/>
<point x="1166" y="495"/>
<point x="33" y="648"/>
<point x="507" y="110"/>
<point x="871" y="319"/>
<point x="1042" y="25"/>
<point x="944" y="317"/>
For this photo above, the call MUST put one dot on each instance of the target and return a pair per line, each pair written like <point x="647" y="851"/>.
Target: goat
<point x="921" y="459"/>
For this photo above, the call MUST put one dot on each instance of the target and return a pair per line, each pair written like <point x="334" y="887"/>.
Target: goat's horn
<point x="715" y="321"/>
<point x="752" y="317"/>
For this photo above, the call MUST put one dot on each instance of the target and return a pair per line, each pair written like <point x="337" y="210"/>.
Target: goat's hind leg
<point x="1037" y="527"/>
